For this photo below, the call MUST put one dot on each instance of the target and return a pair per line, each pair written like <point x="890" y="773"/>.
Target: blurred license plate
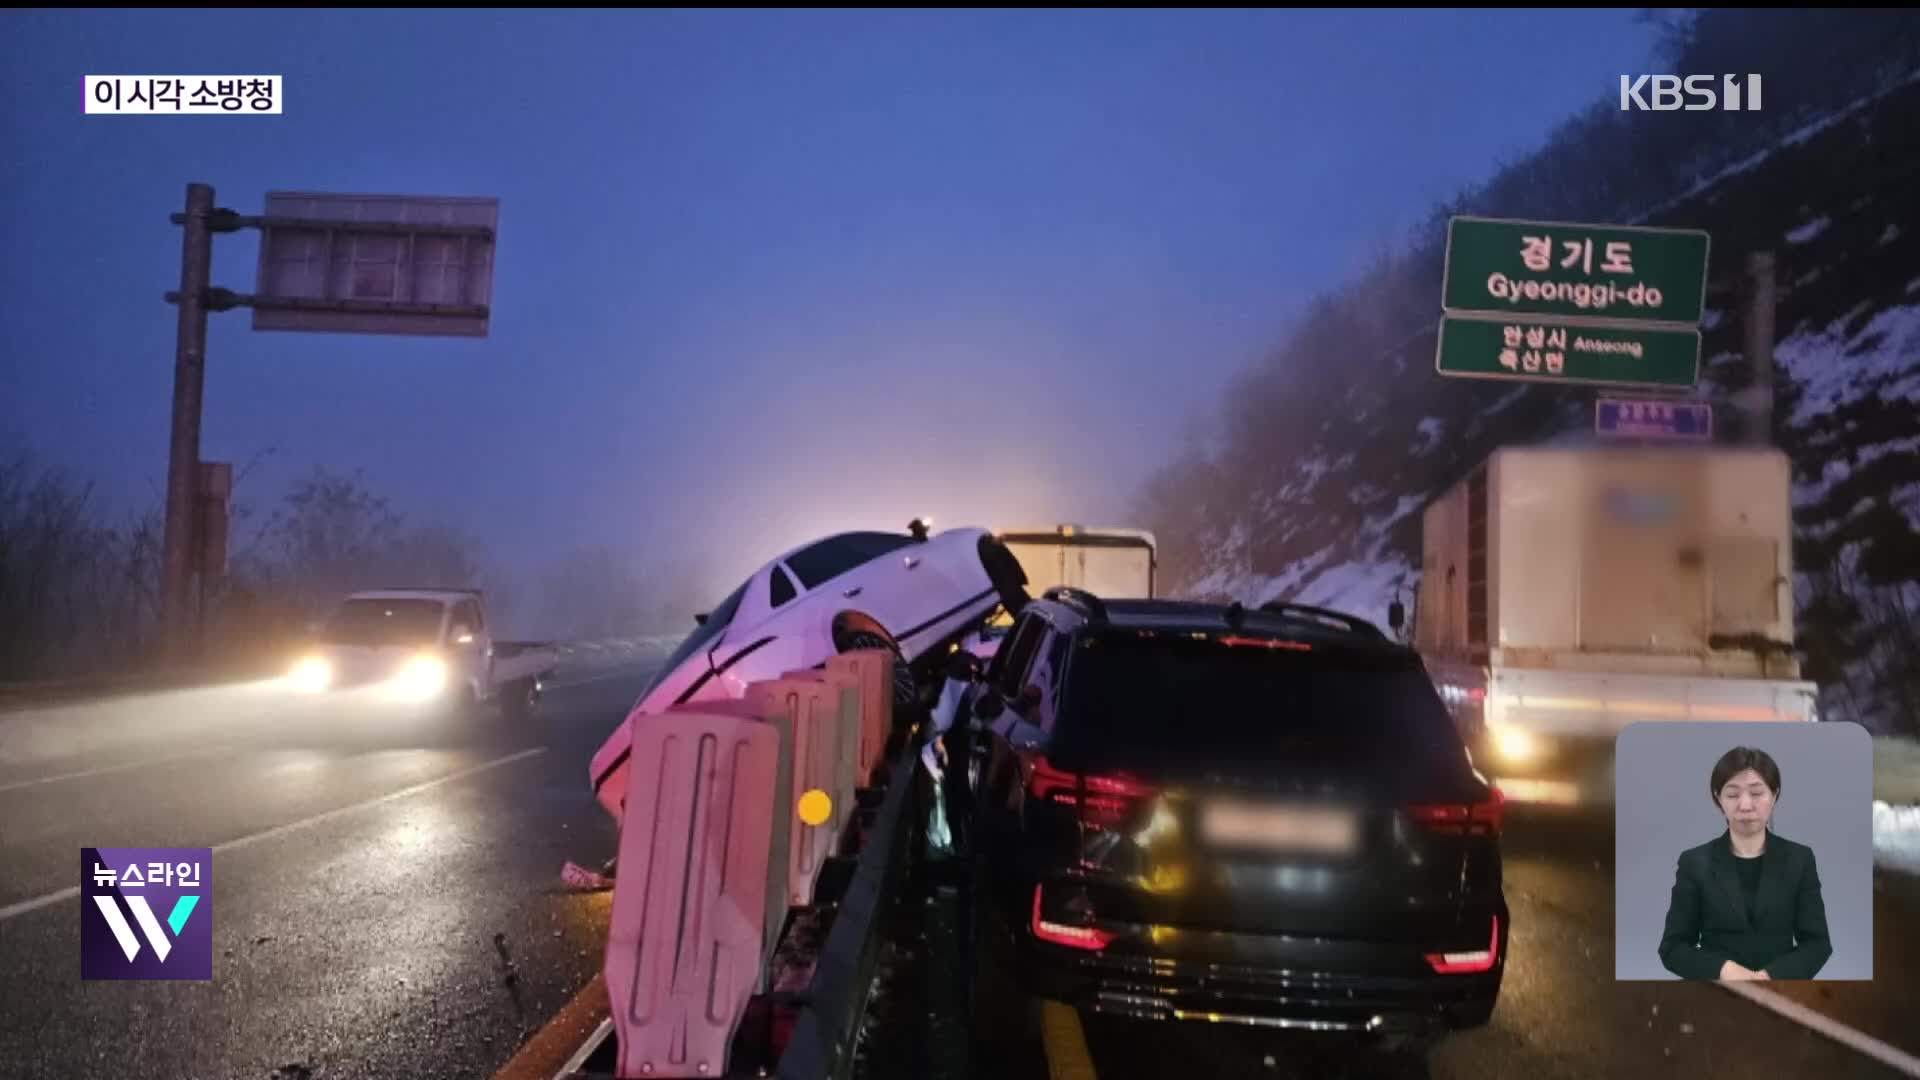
<point x="1280" y="828"/>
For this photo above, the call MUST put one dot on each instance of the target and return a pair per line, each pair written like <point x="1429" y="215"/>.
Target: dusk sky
<point x="760" y="276"/>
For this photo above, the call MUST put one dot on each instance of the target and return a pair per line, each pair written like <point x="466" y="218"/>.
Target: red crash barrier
<point x="824" y="717"/>
<point x="873" y="670"/>
<point x="686" y="949"/>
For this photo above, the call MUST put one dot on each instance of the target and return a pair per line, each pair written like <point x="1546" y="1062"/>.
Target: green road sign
<point x="1580" y="271"/>
<point x="1553" y="351"/>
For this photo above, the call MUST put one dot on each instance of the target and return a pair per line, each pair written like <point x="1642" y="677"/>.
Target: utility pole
<point x="1759" y="327"/>
<point x="183" y="459"/>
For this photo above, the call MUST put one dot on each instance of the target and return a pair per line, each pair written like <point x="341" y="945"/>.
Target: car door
<point x="872" y="573"/>
<point x="1004" y="743"/>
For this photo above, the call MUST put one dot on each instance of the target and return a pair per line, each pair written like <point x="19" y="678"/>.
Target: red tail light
<point x="1074" y="937"/>
<point x="1468" y="963"/>
<point x="1103" y="800"/>
<point x="1469" y="819"/>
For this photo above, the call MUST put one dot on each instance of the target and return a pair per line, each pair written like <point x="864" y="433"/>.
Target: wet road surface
<point x="383" y="903"/>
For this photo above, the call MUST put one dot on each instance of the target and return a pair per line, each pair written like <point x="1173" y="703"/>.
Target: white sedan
<point x="859" y="590"/>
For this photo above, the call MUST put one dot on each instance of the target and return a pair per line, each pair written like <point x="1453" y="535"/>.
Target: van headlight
<point x="311" y="675"/>
<point x="421" y="679"/>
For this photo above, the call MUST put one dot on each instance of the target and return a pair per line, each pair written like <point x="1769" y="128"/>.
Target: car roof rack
<point x="1353" y="623"/>
<point x="1080" y="598"/>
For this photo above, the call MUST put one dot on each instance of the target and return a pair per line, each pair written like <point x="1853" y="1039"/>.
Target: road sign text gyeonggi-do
<point x="1547" y="351"/>
<point x="1688" y="420"/>
<point x="1581" y="271"/>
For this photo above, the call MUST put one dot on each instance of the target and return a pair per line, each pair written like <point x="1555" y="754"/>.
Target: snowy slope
<point x="1832" y="200"/>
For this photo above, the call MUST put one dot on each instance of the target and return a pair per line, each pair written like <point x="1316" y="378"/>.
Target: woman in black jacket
<point x="1746" y="905"/>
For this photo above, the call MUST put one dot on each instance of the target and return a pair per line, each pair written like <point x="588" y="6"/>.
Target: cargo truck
<point x="1568" y="592"/>
<point x="1104" y="562"/>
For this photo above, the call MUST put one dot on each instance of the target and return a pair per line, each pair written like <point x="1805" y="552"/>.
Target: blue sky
<point x="760" y="276"/>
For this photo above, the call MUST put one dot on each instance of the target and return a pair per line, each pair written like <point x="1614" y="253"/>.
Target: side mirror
<point x="1030" y="697"/>
<point x="701" y="619"/>
<point x="1396" y="615"/>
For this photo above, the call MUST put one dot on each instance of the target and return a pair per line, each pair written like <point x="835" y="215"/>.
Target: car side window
<point x="782" y="587"/>
<point x="822" y="562"/>
<point x="1056" y="666"/>
<point x="467" y="615"/>
<point x="1019" y="656"/>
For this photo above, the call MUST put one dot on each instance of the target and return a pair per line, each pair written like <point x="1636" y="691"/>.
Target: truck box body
<point x="1568" y="592"/>
<point x="1105" y="562"/>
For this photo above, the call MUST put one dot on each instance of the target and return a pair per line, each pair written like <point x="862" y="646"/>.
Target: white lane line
<point x="579" y="1059"/>
<point x="38" y="902"/>
<point x="113" y="768"/>
<point x="591" y="679"/>
<point x="1828" y="1026"/>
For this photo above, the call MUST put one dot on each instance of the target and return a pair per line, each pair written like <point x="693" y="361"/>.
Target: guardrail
<point x="756" y="874"/>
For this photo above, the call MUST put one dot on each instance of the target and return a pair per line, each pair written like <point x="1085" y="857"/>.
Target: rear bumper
<point x="1264" y="982"/>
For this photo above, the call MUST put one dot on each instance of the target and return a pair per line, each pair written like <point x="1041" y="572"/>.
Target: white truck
<point x="423" y="647"/>
<point x="1568" y="592"/>
<point x="1104" y="562"/>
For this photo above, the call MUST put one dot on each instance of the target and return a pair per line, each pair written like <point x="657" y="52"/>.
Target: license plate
<point x="1280" y="828"/>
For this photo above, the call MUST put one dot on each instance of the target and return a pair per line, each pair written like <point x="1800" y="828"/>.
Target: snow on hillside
<point x="1834" y="367"/>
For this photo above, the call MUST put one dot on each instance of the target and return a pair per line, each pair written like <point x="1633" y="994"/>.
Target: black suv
<point x="1191" y="811"/>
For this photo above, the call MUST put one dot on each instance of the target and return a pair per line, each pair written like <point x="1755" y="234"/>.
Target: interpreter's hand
<point x="1732" y="972"/>
<point x="940" y="749"/>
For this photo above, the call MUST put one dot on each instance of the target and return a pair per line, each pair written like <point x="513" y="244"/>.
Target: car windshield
<point x="702" y="637"/>
<point x="1135" y="699"/>
<point x="385" y="622"/>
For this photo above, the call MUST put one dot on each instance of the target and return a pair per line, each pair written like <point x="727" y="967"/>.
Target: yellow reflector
<point x="816" y="807"/>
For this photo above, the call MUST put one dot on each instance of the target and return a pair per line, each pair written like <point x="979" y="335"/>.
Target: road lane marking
<point x="112" y="768"/>
<point x="1828" y="1026"/>
<point x="541" y="1057"/>
<point x="591" y="679"/>
<point x="38" y="902"/>
<point x="1065" y="1042"/>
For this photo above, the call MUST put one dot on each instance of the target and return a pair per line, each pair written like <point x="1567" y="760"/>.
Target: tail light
<point x="1468" y="963"/>
<point x="1074" y="937"/>
<point x="1103" y="801"/>
<point x="1462" y="819"/>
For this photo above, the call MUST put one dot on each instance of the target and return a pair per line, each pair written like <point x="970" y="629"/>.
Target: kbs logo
<point x="1666" y="93"/>
<point x="146" y="913"/>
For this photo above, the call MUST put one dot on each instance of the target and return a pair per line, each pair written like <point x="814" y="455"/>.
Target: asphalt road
<point x="1561" y="1013"/>
<point x="385" y="902"/>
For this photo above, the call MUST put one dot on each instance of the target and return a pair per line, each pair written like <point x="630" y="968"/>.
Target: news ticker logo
<point x="146" y="913"/>
<point x="183" y="95"/>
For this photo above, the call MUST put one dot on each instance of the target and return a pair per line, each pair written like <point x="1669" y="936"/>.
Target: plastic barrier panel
<point x="874" y="670"/>
<point x="781" y="838"/>
<point x="824" y="741"/>
<point x="848" y="765"/>
<point x="686" y="946"/>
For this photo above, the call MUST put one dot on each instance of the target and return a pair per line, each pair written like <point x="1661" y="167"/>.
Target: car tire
<point x="1006" y="574"/>
<point x="516" y="701"/>
<point x="906" y="688"/>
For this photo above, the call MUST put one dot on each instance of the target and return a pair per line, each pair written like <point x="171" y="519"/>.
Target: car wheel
<point x="1004" y="571"/>
<point x="516" y="701"/>
<point x="906" y="690"/>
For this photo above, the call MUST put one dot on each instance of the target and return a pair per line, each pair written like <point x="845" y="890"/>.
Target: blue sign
<point x="1645" y="419"/>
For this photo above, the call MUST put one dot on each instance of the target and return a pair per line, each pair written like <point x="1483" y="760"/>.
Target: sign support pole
<point x="183" y="460"/>
<point x="1759" y="327"/>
